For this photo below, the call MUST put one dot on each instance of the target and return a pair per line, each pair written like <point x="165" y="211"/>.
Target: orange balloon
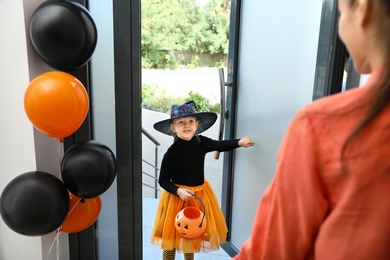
<point x="82" y="213"/>
<point x="56" y="103"/>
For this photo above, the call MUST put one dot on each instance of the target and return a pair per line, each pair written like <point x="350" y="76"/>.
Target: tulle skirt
<point x="164" y="233"/>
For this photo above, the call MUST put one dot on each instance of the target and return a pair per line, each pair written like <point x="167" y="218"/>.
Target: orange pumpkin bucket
<point x="190" y="221"/>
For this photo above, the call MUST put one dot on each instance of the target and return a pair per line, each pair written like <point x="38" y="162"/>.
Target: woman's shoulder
<point x="347" y="102"/>
<point x="332" y="115"/>
<point x="343" y="105"/>
<point x="340" y="102"/>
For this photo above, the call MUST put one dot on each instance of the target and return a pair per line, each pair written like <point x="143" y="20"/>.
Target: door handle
<point x="223" y="112"/>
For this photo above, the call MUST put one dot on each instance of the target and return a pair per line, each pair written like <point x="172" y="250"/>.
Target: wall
<point x="277" y="61"/>
<point x="16" y="132"/>
<point x="23" y="148"/>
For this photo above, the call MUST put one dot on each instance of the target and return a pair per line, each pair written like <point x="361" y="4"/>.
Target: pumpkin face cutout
<point x="190" y="222"/>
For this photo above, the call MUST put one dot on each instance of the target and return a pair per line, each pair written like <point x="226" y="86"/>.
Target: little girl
<point x="182" y="177"/>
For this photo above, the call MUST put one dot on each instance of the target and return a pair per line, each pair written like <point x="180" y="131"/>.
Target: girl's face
<point x="185" y="127"/>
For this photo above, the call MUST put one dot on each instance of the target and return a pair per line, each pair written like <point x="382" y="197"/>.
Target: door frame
<point x="127" y="58"/>
<point x="127" y="69"/>
<point x="230" y="122"/>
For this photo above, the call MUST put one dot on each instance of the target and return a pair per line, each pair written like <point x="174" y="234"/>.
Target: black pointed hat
<point x="206" y="119"/>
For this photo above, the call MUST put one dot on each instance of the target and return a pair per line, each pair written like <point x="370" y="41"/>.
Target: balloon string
<point x="61" y="151"/>
<point x="58" y="246"/>
<point x="57" y="237"/>
<point x="57" y="242"/>
<point x="70" y="211"/>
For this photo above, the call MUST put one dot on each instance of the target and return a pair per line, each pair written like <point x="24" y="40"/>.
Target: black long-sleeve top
<point x="183" y="163"/>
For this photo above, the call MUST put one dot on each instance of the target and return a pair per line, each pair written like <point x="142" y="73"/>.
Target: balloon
<point x="56" y="103"/>
<point x="82" y="213"/>
<point x="88" y="169"/>
<point x="34" y="203"/>
<point x="64" y="34"/>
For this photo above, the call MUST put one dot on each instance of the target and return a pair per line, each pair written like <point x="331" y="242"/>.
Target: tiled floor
<point x="152" y="252"/>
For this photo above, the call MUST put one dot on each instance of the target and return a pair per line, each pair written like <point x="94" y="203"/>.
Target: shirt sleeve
<point x="165" y="179"/>
<point x="221" y="146"/>
<point x="294" y="205"/>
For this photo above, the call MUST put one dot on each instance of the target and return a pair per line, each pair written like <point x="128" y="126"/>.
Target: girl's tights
<point x="170" y="255"/>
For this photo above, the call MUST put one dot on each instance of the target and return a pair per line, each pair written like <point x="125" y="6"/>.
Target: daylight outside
<point x="184" y="43"/>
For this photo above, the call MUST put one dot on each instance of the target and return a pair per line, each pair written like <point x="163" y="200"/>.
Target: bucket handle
<point x="204" y="208"/>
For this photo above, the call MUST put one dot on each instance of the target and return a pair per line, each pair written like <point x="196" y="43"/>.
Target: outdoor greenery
<point x="155" y="99"/>
<point x="177" y="25"/>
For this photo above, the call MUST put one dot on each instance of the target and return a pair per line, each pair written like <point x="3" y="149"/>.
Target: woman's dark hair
<point x="380" y="94"/>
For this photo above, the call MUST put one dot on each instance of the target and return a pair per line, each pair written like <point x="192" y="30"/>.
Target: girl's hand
<point x="184" y="194"/>
<point x="246" y="142"/>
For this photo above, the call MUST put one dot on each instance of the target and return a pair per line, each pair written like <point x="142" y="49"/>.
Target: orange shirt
<point x="318" y="207"/>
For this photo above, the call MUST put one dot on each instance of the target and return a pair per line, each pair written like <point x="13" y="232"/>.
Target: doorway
<point x="184" y="43"/>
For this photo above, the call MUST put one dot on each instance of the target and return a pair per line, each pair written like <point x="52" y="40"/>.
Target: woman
<point x="330" y="197"/>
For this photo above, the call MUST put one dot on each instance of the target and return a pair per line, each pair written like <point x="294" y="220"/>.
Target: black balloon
<point x="88" y="169"/>
<point x="64" y="34"/>
<point x="34" y="203"/>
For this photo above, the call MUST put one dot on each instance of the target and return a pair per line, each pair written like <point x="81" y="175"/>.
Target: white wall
<point x="23" y="149"/>
<point x="16" y="132"/>
<point x="277" y="61"/>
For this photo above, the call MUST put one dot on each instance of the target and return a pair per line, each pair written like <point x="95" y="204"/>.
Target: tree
<point x="217" y="16"/>
<point x="169" y="25"/>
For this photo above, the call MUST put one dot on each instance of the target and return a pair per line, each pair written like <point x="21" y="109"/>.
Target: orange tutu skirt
<point x="164" y="233"/>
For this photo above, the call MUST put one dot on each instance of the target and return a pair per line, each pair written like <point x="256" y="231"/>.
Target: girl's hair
<point x="380" y="94"/>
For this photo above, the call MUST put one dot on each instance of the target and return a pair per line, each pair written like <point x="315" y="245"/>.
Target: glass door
<point x="275" y="61"/>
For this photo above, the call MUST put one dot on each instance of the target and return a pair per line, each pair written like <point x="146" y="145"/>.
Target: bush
<point x="158" y="100"/>
<point x="162" y="103"/>
<point x="148" y="91"/>
<point x="146" y="63"/>
<point x="218" y="64"/>
<point x="193" y="64"/>
<point x="202" y="103"/>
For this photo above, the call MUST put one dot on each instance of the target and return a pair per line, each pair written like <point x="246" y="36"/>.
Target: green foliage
<point x="155" y="99"/>
<point x="217" y="16"/>
<point x="202" y="103"/>
<point x="169" y="25"/>
<point x="218" y="64"/>
<point x="148" y="91"/>
<point x="162" y="103"/>
<point x="146" y="63"/>
<point x="193" y="64"/>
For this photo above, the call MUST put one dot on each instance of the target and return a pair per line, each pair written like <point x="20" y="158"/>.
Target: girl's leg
<point x="188" y="256"/>
<point x="169" y="254"/>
